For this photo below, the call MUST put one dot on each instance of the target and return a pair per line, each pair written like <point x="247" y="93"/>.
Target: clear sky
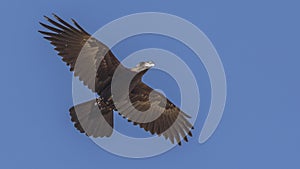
<point x="258" y="42"/>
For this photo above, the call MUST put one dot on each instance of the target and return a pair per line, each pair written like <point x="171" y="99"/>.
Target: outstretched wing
<point x="91" y="60"/>
<point x="172" y="123"/>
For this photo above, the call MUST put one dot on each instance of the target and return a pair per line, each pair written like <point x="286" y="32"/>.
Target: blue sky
<point x="258" y="42"/>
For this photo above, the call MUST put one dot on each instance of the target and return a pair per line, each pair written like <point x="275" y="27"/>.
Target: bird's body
<point x="97" y="67"/>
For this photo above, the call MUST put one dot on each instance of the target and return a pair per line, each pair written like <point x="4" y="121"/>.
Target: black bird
<point x="97" y="65"/>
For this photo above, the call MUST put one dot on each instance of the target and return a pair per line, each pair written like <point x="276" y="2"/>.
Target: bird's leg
<point x="105" y="103"/>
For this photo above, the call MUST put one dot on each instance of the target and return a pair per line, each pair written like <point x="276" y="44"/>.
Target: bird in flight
<point x="96" y="66"/>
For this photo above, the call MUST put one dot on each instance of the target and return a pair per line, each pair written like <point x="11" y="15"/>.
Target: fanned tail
<point x="92" y="119"/>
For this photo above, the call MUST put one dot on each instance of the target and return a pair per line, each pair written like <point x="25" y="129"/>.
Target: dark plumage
<point x="96" y="70"/>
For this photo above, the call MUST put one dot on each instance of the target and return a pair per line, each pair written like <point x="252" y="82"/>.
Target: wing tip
<point x="44" y="25"/>
<point x="55" y="15"/>
<point x="186" y="139"/>
<point x="47" y="18"/>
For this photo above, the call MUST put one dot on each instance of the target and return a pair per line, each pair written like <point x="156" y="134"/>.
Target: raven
<point x="96" y="69"/>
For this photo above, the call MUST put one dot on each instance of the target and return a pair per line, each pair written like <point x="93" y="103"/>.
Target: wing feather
<point x="173" y="123"/>
<point x="96" y="62"/>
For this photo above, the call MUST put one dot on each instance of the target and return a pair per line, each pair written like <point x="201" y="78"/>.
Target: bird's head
<point x="143" y="66"/>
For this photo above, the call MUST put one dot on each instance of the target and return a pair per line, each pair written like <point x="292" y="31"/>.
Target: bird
<point x="98" y="65"/>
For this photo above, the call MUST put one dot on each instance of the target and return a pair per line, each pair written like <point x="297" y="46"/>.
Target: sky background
<point x="258" y="43"/>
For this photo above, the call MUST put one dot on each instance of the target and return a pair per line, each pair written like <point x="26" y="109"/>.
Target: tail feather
<point x="92" y="120"/>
